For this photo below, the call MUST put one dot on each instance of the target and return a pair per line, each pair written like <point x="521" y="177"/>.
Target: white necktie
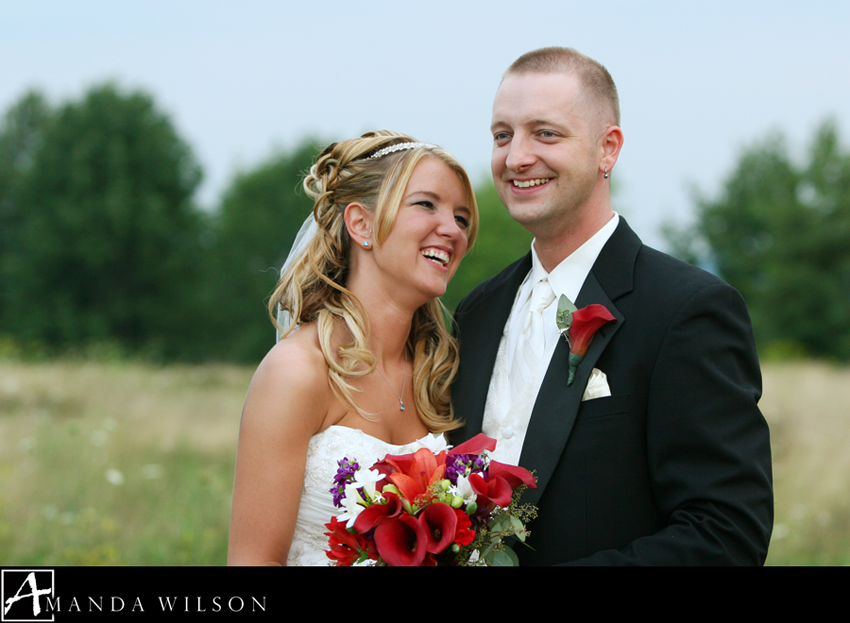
<point x="532" y="340"/>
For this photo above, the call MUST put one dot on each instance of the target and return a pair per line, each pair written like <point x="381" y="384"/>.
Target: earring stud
<point x="366" y="244"/>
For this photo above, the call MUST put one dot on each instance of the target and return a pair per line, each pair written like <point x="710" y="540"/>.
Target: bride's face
<point x="430" y="234"/>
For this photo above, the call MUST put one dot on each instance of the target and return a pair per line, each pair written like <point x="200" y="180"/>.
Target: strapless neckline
<point x="377" y="439"/>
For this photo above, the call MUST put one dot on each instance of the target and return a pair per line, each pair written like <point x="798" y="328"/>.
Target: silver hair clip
<point x="398" y="147"/>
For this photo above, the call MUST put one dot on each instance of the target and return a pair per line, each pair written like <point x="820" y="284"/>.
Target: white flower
<point x="367" y="479"/>
<point x="113" y="476"/>
<point x="463" y="489"/>
<point x="351" y="503"/>
<point x="435" y="442"/>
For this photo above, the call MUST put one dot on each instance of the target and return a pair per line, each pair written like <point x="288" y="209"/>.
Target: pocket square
<point x="597" y="385"/>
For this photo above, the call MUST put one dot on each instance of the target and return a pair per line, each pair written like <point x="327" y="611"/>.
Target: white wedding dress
<point x="316" y="507"/>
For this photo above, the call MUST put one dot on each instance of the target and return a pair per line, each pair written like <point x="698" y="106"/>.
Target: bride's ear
<point x="358" y="222"/>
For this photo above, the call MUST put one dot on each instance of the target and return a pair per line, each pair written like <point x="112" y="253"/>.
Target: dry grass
<point x="194" y="405"/>
<point x="124" y="463"/>
<point x="808" y="408"/>
<point x="117" y="463"/>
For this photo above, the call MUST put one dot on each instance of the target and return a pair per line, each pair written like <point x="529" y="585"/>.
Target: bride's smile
<point x="429" y="237"/>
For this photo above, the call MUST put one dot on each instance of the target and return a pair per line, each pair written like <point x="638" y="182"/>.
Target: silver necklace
<point x="401" y="406"/>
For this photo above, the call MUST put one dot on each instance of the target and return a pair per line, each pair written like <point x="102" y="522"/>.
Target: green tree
<point x="21" y="134"/>
<point x="780" y="233"/>
<point x="260" y="214"/>
<point x="107" y="243"/>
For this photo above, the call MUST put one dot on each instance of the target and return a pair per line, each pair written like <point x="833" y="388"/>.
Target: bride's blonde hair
<point x="313" y="287"/>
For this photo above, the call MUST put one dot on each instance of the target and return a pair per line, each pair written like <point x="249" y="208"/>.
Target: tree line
<point x="779" y="231"/>
<point x="102" y="241"/>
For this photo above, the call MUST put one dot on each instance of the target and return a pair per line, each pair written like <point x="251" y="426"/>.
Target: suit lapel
<point x="557" y="404"/>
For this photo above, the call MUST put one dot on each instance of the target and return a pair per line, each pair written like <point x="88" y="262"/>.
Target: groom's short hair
<point x="598" y="85"/>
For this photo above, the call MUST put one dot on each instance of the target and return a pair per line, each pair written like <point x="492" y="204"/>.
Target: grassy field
<point x="808" y="409"/>
<point x="117" y="463"/>
<point x="128" y="464"/>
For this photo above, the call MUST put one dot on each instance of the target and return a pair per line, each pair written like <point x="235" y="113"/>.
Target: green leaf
<point x="498" y="524"/>
<point x="518" y="528"/>
<point x="564" y="317"/>
<point x="504" y="558"/>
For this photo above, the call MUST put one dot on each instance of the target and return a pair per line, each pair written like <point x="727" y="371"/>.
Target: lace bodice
<point x="316" y="507"/>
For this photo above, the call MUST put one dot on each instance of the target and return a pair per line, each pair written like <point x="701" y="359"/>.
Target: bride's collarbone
<point x="388" y="405"/>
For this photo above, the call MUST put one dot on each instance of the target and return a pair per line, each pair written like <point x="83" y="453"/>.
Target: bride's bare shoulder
<point x="286" y="404"/>
<point x="291" y="381"/>
<point x="298" y="355"/>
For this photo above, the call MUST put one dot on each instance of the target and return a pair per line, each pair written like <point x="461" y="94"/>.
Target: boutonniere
<point x="578" y="326"/>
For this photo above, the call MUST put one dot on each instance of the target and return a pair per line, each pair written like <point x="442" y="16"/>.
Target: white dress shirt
<point x="505" y="418"/>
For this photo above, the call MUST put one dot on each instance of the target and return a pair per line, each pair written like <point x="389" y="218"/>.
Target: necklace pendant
<point x="401" y="405"/>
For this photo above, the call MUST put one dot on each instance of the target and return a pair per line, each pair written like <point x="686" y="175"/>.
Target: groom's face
<point x="546" y="150"/>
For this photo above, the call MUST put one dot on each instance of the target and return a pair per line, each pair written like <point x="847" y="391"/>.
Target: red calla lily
<point x="401" y="541"/>
<point x="494" y="491"/>
<point x="514" y="474"/>
<point x="373" y="515"/>
<point x="476" y="445"/>
<point x="586" y="322"/>
<point x="440" y="523"/>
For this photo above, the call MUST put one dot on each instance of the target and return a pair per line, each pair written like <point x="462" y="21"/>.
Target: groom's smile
<point x="529" y="183"/>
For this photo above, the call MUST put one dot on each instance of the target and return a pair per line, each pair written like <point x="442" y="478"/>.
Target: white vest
<point x="507" y="422"/>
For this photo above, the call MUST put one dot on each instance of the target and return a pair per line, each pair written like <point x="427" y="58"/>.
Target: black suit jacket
<point x="673" y="467"/>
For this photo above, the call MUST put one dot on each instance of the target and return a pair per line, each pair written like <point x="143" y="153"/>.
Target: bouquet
<point x="452" y="507"/>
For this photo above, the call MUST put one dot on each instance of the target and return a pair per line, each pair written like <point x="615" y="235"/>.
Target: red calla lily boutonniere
<point x="578" y="326"/>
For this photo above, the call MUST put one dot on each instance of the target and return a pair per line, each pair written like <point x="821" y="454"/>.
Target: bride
<point x="366" y="361"/>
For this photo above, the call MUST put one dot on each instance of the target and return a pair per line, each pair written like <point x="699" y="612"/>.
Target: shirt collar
<point x="568" y="276"/>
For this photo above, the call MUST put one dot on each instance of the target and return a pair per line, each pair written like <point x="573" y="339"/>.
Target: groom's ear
<point x="610" y="143"/>
<point x="358" y="222"/>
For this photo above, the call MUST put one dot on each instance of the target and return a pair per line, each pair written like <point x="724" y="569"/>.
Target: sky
<point x="698" y="80"/>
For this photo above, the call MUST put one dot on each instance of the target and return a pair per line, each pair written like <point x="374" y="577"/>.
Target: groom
<point x="657" y="452"/>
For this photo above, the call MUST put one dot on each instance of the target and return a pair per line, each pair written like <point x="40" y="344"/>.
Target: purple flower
<point x="344" y="475"/>
<point x="463" y="465"/>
